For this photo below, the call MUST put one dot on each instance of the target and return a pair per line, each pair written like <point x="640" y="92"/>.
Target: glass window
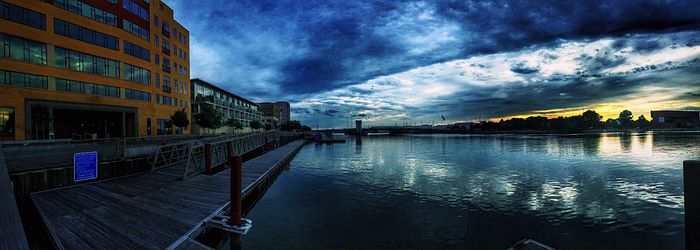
<point x="80" y="33"/>
<point x="87" y="63"/>
<point x="7" y="122"/>
<point x="22" y="15"/>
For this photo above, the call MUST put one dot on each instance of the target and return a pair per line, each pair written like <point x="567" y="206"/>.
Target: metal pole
<point x="236" y="207"/>
<point x="691" y="186"/>
<point x="207" y="158"/>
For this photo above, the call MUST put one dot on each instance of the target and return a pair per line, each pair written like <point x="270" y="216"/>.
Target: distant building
<point x="285" y="112"/>
<point x="665" y="119"/>
<point x="280" y="110"/>
<point x="230" y="105"/>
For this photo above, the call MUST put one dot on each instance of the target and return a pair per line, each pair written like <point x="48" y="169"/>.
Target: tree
<point x="642" y="122"/>
<point x="255" y="125"/>
<point x="238" y="125"/>
<point x="591" y="119"/>
<point x="179" y="119"/>
<point x="625" y="119"/>
<point x="209" y="118"/>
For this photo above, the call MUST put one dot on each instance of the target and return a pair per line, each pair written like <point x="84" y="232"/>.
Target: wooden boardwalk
<point x="152" y="210"/>
<point x="11" y="230"/>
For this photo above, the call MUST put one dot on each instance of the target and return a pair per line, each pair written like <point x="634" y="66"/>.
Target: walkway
<point x="150" y="210"/>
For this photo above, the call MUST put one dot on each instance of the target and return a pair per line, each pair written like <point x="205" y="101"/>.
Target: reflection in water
<point x="598" y="191"/>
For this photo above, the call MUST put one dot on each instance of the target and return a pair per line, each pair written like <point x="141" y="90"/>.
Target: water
<point x="609" y="191"/>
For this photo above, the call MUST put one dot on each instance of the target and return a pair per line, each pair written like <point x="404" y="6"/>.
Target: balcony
<point x="167" y="89"/>
<point x="166" y="51"/>
<point x="166" y="69"/>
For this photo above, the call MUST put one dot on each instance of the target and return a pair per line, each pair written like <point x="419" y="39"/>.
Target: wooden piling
<point x="691" y="185"/>
<point x="236" y="208"/>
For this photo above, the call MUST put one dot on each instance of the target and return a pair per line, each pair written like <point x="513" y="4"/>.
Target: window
<point x="84" y="34"/>
<point x="137" y="51"/>
<point x="137" y="95"/>
<point x="155" y="20"/>
<point x="166" y="64"/>
<point x="157" y="80"/>
<point x="163" y="128"/>
<point x="137" y="74"/>
<point x="135" y="9"/>
<point x="157" y="60"/>
<point x="166" y="47"/>
<point x="22" y="49"/>
<point x="86" y="10"/>
<point x="87" y="88"/>
<point x="167" y="100"/>
<point x="7" y="124"/>
<point x="23" y="16"/>
<point x="156" y="39"/>
<point x="166" y="84"/>
<point x="23" y="80"/>
<point x="136" y="30"/>
<point x="165" y="29"/>
<point x="148" y="127"/>
<point x="185" y="71"/>
<point x="79" y="61"/>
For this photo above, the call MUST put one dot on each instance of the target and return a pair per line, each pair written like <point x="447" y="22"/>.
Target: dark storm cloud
<point x="321" y="45"/>
<point x="331" y="56"/>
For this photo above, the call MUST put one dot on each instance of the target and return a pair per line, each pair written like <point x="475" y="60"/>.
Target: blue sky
<point x="406" y="61"/>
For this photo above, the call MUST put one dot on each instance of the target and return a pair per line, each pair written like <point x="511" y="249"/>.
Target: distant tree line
<point x="210" y="118"/>
<point x="586" y="121"/>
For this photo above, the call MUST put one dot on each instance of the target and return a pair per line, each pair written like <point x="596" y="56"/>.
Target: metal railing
<point x="198" y="156"/>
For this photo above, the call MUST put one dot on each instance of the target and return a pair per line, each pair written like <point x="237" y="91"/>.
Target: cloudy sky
<point x="396" y="62"/>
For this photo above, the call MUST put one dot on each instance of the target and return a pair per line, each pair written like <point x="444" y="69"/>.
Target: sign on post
<point x="84" y="166"/>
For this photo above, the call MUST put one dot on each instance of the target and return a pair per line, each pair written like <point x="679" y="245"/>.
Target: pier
<point x="11" y="232"/>
<point x="164" y="208"/>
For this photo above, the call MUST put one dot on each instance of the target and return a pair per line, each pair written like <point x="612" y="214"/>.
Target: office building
<point x="90" y="69"/>
<point x="279" y="111"/>
<point x="229" y="105"/>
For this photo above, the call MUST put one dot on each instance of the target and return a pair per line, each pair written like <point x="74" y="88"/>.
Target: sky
<point x="403" y="62"/>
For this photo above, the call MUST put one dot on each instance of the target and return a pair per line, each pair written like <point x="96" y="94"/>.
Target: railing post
<point x="691" y="186"/>
<point x="207" y="158"/>
<point x="229" y="151"/>
<point x="236" y="208"/>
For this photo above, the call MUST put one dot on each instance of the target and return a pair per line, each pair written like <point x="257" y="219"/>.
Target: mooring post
<point x="236" y="208"/>
<point x="691" y="186"/>
<point x="207" y="158"/>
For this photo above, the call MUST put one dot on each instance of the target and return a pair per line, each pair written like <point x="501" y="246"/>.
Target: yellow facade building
<point x="87" y="69"/>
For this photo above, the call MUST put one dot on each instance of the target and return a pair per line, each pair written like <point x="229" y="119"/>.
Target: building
<point x="285" y="115"/>
<point x="278" y="110"/>
<point x="90" y="69"/>
<point x="270" y="113"/>
<point x="230" y="105"/>
<point x="665" y="119"/>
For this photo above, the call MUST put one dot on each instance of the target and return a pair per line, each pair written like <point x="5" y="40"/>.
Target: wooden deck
<point x="11" y="230"/>
<point x="152" y="210"/>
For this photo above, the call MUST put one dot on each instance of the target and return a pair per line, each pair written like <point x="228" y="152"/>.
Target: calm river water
<point x="609" y="191"/>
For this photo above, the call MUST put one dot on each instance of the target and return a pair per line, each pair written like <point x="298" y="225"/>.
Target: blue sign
<point x="84" y="166"/>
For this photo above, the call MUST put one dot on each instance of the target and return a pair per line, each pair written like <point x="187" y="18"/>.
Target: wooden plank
<point x="149" y="211"/>
<point x="11" y="232"/>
